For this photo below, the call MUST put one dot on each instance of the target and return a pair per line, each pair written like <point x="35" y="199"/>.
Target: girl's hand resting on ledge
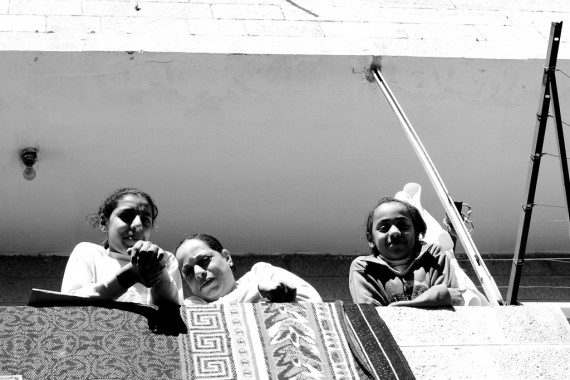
<point x="457" y="296"/>
<point x="277" y="291"/>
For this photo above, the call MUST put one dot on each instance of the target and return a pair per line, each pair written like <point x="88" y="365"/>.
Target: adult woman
<point x="207" y="267"/>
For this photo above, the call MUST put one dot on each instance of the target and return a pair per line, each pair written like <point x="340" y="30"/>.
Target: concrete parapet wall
<point x="512" y="342"/>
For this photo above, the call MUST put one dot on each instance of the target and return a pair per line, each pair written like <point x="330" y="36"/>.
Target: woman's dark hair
<point x="418" y="222"/>
<point x="111" y="202"/>
<point x="209" y="240"/>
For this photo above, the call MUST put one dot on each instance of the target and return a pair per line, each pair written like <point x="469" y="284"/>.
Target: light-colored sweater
<point x="246" y="290"/>
<point x="91" y="272"/>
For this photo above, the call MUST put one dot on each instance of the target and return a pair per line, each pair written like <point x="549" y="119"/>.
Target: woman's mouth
<point x="206" y="282"/>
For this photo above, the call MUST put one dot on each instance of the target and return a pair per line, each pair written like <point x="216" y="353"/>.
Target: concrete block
<point x="162" y="1"/>
<point x="305" y="13"/>
<point x="544" y="6"/>
<point x="514" y="34"/>
<point x="247" y="12"/>
<point x="364" y="30"/>
<point x="473" y="17"/>
<point x="45" y="7"/>
<point x="532" y="266"/>
<point x="332" y="288"/>
<point x="486" y="4"/>
<point x="73" y="24"/>
<point x="318" y="266"/>
<point x="541" y="293"/>
<point x="13" y="23"/>
<point x="488" y="362"/>
<point x="17" y="290"/>
<point x="110" y="8"/>
<point x="522" y="342"/>
<point x="149" y="9"/>
<point x="460" y="326"/>
<point x="537" y="19"/>
<point x="283" y="28"/>
<point x="431" y="4"/>
<point x="249" y="2"/>
<point x="442" y="32"/>
<point x="326" y="14"/>
<point x="401" y="15"/>
<point x="216" y="27"/>
<point x="144" y="26"/>
<point x="32" y="266"/>
<point x="4" y="6"/>
<point x="176" y="10"/>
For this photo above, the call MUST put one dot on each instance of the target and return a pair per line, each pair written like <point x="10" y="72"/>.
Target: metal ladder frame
<point x="549" y="91"/>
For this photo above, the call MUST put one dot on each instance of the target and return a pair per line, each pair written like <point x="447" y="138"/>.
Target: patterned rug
<point x="245" y="341"/>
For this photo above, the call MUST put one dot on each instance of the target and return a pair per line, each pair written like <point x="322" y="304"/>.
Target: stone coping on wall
<point x="441" y="28"/>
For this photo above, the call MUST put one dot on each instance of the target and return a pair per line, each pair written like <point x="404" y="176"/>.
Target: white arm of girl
<point x="90" y="272"/>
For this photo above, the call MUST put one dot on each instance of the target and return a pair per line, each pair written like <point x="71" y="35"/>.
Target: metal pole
<point x="534" y="164"/>
<point x="489" y="286"/>
<point x="561" y="144"/>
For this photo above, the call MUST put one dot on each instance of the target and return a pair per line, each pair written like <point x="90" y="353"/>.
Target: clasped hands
<point x="148" y="262"/>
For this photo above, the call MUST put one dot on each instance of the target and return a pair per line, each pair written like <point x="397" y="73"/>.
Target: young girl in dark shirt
<point x="402" y="270"/>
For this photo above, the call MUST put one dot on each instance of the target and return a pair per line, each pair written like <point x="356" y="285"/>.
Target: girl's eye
<point x="383" y="228"/>
<point x="147" y="221"/>
<point x="403" y="226"/>
<point x="205" y="261"/>
<point x="127" y="216"/>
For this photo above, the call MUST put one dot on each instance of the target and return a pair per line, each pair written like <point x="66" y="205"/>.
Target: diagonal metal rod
<point x="487" y="282"/>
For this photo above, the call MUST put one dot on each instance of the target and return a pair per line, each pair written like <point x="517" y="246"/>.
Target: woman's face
<point x="393" y="232"/>
<point x="207" y="272"/>
<point x="129" y="222"/>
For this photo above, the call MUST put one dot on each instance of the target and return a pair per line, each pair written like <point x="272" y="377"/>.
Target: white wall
<point x="271" y="153"/>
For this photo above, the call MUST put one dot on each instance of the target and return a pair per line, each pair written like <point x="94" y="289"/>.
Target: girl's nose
<point x="393" y="231"/>
<point x="137" y="223"/>
<point x="199" y="272"/>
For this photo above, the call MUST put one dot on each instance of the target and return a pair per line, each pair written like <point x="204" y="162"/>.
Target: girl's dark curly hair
<point x="97" y="219"/>
<point x="418" y="222"/>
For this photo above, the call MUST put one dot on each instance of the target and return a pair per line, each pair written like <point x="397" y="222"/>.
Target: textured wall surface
<point x="435" y="28"/>
<point x="544" y="278"/>
<point x="270" y="153"/>
<point x="510" y="342"/>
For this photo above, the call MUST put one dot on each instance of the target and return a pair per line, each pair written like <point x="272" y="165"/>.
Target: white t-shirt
<point x="246" y="290"/>
<point x="91" y="272"/>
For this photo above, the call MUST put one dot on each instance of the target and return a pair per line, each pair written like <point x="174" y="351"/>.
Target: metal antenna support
<point x="549" y="91"/>
<point x="487" y="282"/>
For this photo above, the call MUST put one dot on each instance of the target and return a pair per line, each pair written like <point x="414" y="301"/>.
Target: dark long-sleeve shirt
<point x="424" y="282"/>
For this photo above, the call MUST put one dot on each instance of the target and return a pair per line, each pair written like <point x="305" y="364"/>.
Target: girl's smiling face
<point x="129" y="222"/>
<point x="207" y="272"/>
<point x="393" y="234"/>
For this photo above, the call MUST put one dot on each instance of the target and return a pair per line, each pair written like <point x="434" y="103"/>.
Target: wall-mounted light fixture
<point x="29" y="158"/>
